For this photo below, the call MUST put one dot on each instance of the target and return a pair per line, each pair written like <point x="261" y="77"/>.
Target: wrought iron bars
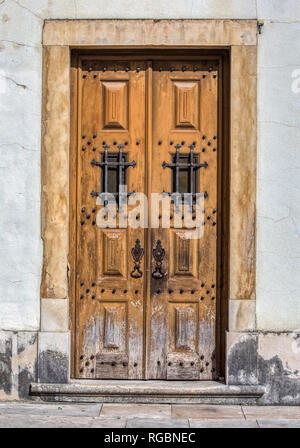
<point x="192" y="165"/>
<point x="105" y="164"/>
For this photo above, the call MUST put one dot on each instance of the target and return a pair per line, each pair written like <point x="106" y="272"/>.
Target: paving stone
<point x="279" y="423"/>
<point x="270" y="412"/>
<point x="92" y="410"/>
<point x="34" y="421"/>
<point x="157" y="423"/>
<point x="103" y="422"/>
<point x="203" y="411"/>
<point x="136" y="410"/>
<point x="222" y="423"/>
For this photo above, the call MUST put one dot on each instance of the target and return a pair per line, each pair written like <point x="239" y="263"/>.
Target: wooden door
<point x="111" y="151"/>
<point x="182" y="317"/>
<point x="146" y="298"/>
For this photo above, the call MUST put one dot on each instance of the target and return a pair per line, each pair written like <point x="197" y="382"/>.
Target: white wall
<point x="278" y="236"/>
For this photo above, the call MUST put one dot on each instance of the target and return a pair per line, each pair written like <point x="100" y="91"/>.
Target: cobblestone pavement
<point x="49" y="415"/>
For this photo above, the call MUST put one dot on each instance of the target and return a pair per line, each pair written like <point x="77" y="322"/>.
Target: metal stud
<point x="202" y="298"/>
<point x="82" y="284"/>
<point x="87" y="290"/>
<point x="170" y="291"/>
<point x="116" y="69"/>
<point x="83" y="136"/>
<point x="160" y="69"/>
<point x="181" y="291"/>
<point x="203" y="76"/>
<point x="83" y="148"/>
<point x="90" y="69"/>
<point x="125" y="291"/>
<point x="95" y="75"/>
<point x="181" y="364"/>
<point x="135" y="364"/>
<point x="183" y="68"/>
<point x="93" y="296"/>
<point x="102" y="290"/>
<point x="138" y="69"/>
<point x="95" y="135"/>
<point x="136" y="291"/>
<point x="114" y="291"/>
<point x="82" y="296"/>
<point x="192" y="291"/>
<point x="203" y="137"/>
<point x="195" y="69"/>
<point x="94" y="148"/>
<point x="203" y="149"/>
<point x="160" y="142"/>
<point x="158" y="363"/>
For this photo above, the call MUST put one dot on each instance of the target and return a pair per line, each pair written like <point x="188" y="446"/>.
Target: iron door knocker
<point x="137" y="253"/>
<point x="158" y="254"/>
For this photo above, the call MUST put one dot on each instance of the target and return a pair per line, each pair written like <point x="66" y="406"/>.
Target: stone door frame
<point x="239" y="37"/>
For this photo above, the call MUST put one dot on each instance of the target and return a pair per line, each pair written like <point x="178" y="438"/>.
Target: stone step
<point x="125" y="391"/>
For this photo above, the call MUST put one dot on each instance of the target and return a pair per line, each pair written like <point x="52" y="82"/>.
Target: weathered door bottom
<point x="116" y="391"/>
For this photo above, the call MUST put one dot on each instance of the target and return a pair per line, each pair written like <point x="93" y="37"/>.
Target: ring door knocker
<point x="137" y="253"/>
<point x="158" y="254"/>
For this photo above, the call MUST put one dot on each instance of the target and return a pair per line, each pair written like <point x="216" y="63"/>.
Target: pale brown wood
<point x="183" y="302"/>
<point x="109" y="304"/>
<point x="146" y="328"/>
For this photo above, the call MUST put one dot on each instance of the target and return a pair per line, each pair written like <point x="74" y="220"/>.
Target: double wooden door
<point x="146" y="295"/>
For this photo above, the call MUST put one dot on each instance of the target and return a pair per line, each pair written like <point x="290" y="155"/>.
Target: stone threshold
<point x="169" y="392"/>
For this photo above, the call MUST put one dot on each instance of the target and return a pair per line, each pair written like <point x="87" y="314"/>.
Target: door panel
<point x="183" y="302"/>
<point x="146" y="299"/>
<point x="109" y="303"/>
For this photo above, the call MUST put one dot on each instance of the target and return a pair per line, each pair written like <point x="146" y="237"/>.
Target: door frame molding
<point x="237" y="257"/>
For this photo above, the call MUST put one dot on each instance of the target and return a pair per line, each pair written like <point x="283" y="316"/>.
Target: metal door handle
<point x="137" y="253"/>
<point x="158" y="254"/>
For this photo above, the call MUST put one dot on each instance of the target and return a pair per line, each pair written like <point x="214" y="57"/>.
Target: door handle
<point x="158" y="254"/>
<point x="137" y="253"/>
